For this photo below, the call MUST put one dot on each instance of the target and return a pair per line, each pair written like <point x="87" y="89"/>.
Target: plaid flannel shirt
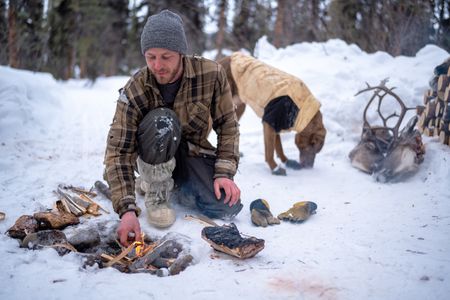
<point x="204" y="96"/>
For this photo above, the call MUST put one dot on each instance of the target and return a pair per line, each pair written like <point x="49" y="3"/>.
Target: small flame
<point x="140" y="246"/>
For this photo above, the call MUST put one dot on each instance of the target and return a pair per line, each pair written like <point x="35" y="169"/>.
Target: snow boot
<point x="157" y="183"/>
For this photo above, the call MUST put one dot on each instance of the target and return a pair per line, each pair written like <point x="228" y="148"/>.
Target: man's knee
<point x="158" y="136"/>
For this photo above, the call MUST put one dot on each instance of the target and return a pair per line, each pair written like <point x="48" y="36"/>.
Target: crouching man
<point x="283" y="102"/>
<point x="160" y="129"/>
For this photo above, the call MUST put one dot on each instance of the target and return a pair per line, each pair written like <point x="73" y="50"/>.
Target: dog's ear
<point x="226" y="64"/>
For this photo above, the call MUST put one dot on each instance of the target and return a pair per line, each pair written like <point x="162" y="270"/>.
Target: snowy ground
<point x="367" y="241"/>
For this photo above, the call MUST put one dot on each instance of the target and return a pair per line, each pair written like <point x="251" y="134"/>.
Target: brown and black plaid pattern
<point x="204" y="93"/>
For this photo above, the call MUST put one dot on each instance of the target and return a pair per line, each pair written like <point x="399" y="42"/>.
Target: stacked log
<point x="435" y="117"/>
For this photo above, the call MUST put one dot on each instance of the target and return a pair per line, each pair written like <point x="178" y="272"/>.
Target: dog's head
<point x="308" y="146"/>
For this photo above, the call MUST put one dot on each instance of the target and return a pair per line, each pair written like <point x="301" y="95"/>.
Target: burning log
<point x="161" y="254"/>
<point x="164" y="257"/>
<point x="227" y="239"/>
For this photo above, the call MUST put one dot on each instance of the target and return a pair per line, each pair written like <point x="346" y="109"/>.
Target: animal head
<point x="403" y="159"/>
<point x="311" y="140"/>
<point x="368" y="154"/>
<point x="384" y="151"/>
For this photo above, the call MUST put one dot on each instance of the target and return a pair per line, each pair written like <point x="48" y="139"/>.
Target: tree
<point x="134" y="58"/>
<point x="252" y="20"/>
<point x="32" y="35"/>
<point x="222" y="24"/>
<point x="3" y="33"/>
<point x="441" y="21"/>
<point x="25" y="34"/>
<point x="62" y="20"/>
<point x="115" y="35"/>
<point x="279" y="33"/>
<point x="395" y="26"/>
<point x="13" y="47"/>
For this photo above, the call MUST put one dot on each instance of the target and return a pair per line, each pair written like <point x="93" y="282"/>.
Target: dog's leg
<point x="269" y="145"/>
<point x="289" y="163"/>
<point x="279" y="149"/>
<point x="269" y="149"/>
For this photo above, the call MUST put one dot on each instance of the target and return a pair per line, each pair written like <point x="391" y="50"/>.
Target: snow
<point x="368" y="240"/>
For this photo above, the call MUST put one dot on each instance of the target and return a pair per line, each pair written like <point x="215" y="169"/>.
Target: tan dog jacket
<point x="259" y="83"/>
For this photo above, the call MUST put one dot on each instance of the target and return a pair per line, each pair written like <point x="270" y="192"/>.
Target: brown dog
<point x="283" y="102"/>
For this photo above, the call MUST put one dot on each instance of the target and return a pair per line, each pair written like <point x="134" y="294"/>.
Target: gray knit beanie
<point x="164" y="30"/>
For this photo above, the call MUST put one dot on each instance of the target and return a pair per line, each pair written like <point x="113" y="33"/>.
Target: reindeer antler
<point x="380" y="91"/>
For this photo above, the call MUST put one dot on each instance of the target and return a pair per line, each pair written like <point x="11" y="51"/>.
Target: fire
<point x="140" y="248"/>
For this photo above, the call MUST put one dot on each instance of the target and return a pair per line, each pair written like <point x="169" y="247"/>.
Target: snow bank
<point x="28" y="100"/>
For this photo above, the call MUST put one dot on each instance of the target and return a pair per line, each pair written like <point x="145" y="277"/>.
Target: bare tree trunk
<point x="83" y="67"/>
<point x="68" y="73"/>
<point x="221" y="28"/>
<point x="279" y="24"/>
<point x="3" y="33"/>
<point x="12" y="35"/>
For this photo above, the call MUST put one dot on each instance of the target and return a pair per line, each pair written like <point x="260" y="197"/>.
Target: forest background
<point x="92" y="38"/>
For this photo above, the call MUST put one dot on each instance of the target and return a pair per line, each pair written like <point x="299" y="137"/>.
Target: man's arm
<point x="226" y="126"/>
<point x="121" y="155"/>
<point x="120" y="158"/>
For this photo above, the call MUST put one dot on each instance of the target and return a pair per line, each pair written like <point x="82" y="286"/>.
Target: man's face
<point x="166" y="65"/>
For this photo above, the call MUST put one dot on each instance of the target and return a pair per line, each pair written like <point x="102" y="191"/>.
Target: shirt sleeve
<point x="121" y="155"/>
<point x="226" y="126"/>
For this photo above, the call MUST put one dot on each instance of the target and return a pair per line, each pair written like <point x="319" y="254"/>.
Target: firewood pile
<point x="435" y="118"/>
<point x="99" y="247"/>
<point x="162" y="257"/>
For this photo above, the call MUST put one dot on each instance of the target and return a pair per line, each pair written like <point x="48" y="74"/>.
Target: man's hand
<point x="232" y="192"/>
<point x="129" y="224"/>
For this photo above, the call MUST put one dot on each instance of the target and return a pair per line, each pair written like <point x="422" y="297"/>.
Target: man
<point x="283" y="102"/>
<point x="160" y="129"/>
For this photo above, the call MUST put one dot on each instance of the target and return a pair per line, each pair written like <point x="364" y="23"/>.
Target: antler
<point x="380" y="92"/>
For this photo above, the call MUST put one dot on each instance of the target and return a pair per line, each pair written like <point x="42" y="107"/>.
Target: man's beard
<point x="169" y="77"/>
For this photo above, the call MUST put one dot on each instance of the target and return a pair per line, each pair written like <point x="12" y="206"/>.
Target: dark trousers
<point x="193" y="175"/>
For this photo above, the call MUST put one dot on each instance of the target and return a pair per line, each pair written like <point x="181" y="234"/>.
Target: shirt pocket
<point x="198" y="114"/>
